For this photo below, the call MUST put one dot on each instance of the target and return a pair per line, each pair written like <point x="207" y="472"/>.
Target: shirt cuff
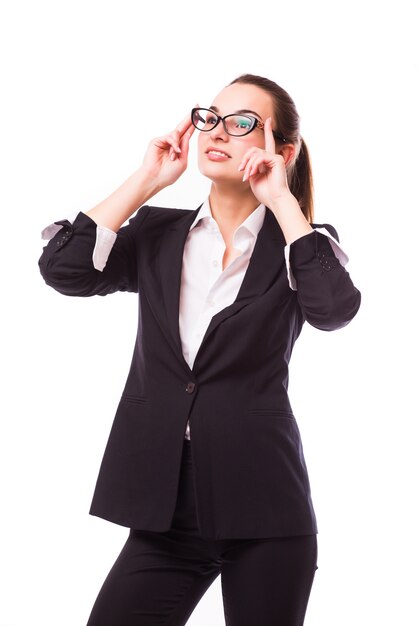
<point x="105" y="239"/>
<point x="337" y="249"/>
<point x="52" y="229"/>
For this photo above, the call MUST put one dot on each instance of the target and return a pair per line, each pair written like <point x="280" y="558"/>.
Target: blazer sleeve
<point x="66" y="263"/>
<point x="326" y="294"/>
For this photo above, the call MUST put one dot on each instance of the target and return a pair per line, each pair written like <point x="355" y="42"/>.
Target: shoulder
<point x="148" y="216"/>
<point x="167" y="213"/>
<point x="163" y="217"/>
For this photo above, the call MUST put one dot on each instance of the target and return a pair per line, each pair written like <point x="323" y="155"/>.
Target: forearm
<point x="290" y="218"/>
<point x="66" y="263"/>
<point x="124" y="201"/>
<point x="325" y="291"/>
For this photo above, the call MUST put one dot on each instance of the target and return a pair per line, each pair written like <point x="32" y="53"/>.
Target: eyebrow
<point x="239" y="112"/>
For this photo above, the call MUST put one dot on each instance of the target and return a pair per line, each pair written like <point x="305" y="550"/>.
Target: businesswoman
<point x="204" y="463"/>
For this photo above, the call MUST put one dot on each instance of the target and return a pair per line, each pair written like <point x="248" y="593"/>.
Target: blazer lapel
<point x="265" y="263"/>
<point x="169" y="272"/>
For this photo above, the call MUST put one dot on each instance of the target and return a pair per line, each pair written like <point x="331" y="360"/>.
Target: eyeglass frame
<point x="258" y="123"/>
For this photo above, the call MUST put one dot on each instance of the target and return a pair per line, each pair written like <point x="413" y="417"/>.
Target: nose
<point x="218" y="132"/>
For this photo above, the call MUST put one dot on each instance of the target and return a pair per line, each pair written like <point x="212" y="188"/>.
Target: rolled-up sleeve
<point x="105" y="239"/>
<point x="83" y="259"/>
<point x="316" y="270"/>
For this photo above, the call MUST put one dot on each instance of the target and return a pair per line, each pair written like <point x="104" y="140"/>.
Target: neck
<point x="230" y="207"/>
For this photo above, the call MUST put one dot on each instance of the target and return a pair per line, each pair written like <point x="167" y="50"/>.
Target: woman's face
<point x="237" y="97"/>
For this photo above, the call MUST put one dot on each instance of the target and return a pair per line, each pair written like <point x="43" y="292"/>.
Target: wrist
<point x="290" y="217"/>
<point x="146" y="184"/>
<point x="285" y="201"/>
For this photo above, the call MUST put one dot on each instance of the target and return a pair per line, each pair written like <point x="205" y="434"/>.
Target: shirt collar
<point x="252" y="223"/>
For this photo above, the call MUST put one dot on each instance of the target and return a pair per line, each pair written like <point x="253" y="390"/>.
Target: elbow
<point x="65" y="282"/>
<point x="67" y="261"/>
<point x="336" y="314"/>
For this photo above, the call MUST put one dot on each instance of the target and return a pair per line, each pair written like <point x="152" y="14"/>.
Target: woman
<point x="204" y="461"/>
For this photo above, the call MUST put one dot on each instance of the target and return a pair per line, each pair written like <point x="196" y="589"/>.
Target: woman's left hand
<point x="265" y="170"/>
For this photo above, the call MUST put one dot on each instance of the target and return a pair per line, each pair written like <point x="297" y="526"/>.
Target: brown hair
<point x="287" y="122"/>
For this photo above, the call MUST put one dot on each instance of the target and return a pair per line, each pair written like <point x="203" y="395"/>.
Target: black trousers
<point x="159" y="577"/>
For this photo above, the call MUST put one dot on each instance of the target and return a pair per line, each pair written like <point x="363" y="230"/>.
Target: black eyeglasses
<point x="235" y="124"/>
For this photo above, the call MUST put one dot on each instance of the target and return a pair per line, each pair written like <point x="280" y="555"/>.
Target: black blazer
<point x="250" y="475"/>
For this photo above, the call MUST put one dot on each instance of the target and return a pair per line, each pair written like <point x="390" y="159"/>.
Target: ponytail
<point x="300" y="179"/>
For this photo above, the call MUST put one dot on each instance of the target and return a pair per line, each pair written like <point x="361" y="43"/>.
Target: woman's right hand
<point x="167" y="157"/>
<point x="162" y="165"/>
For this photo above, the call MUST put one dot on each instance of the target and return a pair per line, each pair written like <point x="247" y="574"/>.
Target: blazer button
<point x="190" y="387"/>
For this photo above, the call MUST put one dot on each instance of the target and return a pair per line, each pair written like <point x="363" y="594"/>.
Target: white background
<point x="85" y="87"/>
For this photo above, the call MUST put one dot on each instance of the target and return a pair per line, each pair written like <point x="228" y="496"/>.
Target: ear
<point x="288" y="152"/>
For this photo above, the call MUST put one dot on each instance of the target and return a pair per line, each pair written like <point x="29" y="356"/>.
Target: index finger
<point x="269" y="137"/>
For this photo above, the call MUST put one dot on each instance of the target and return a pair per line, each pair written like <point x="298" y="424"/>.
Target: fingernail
<point x="244" y="178"/>
<point x="172" y="157"/>
<point x="178" y="149"/>
<point x="240" y="167"/>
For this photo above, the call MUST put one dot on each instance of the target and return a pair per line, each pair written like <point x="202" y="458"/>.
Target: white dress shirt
<point x="206" y="288"/>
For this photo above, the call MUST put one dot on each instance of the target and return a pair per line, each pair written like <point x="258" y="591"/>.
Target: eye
<point x="241" y="122"/>
<point x="211" y="119"/>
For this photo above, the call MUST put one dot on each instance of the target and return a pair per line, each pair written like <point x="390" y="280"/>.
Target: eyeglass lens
<point x="235" y="124"/>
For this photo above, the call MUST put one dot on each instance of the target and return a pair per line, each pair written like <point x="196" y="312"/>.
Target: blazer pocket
<point x="134" y="399"/>
<point x="272" y="412"/>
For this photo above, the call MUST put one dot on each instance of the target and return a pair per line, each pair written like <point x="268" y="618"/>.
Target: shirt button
<point x="190" y="387"/>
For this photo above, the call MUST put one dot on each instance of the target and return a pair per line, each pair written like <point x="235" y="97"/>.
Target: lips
<point x="216" y="151"/>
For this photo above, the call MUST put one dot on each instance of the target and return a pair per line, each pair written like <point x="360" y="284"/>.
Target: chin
<point x="218" y="177"/>
<point x="217" y="172"/>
